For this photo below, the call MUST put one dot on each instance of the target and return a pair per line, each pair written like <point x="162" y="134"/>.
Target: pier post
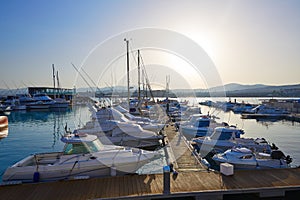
<point x="166" y="170"/>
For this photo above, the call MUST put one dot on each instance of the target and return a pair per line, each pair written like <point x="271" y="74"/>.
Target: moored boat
<point x="83" y="155"/>
<point x="224" y="138"/>
<point x="244" y="158"/>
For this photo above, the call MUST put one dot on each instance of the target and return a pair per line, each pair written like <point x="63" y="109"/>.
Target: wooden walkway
<point x="198" y="184"/>
<point x="184" y="159"/>
<point x="192" y="181"/>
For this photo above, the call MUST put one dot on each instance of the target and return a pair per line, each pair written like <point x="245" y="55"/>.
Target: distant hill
<point x="231" y="90"/>
<point x="236" y="86"/>
<point x="267" y="90"/>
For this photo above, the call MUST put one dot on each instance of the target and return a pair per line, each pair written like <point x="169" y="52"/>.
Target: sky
<point x="247" y="41"/>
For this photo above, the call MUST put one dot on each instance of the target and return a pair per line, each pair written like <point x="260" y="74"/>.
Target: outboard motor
<point x="288" y="159"/>
<point x="277" y="154"/>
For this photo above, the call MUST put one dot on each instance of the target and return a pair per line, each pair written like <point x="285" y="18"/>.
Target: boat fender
<point x="36" y="177"/>
<point x="92" y="157"/>
<point x="205" y="162"/>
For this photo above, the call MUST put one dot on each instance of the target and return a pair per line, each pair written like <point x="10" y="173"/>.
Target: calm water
<point x="33" y="132"/>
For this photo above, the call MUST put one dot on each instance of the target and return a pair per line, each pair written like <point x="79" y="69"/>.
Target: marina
<point x="150" y="100"/>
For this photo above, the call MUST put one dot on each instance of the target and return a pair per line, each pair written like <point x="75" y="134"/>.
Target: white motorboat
<point x="57" y="103"/>
<point x="132" y="117"/>
<point x="83" y="155"/>
<point x="244" y="158"/>
<point x="109" y="113"/>
<point x="224" y="138"/>
<point x="240" y="108"/>
<point x="25" y="99"/>
<point x="197" y="125"/>
<point x="3" y="127"/>
<point x="266" y="110"/>
<point x="122" y="133"/>
<point x="38" y="105"/>
<point x="60" y="103"/>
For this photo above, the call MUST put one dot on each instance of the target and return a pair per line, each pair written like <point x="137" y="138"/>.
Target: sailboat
<point x="58" y="102"/>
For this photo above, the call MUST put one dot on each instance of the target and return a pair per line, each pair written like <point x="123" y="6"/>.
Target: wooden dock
<point x="192" y="182"/>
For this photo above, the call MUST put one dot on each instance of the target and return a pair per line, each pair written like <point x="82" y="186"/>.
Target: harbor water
<point x="40" y="131"/>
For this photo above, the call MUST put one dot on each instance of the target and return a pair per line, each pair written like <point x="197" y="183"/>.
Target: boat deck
<point x="192" y="181"/>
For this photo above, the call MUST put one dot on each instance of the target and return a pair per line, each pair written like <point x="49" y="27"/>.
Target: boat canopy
<point x="223" y="133"/>
<point x="81" y="144"/>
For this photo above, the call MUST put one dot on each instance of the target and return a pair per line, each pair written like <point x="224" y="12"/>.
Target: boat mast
<point x="53" y="74"/>
<point x="57" y="79"/>
<point x="139" y="81"/>
<point x="167" y="86"/>
<point x="127" y="55"/>
<point x="58" y="86"/>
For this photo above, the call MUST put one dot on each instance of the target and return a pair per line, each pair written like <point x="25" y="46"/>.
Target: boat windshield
<point x="221" y="135"/>
<point x="83" y="148"/>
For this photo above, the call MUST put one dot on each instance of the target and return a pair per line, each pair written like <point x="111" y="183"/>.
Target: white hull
<point x="207" y="146"/>
<point x="55" y="166"/>
<point x="191" y="132"/>
<point x="124" y="139"/>
<point x="243" y="158"/>
<point x="262" y="164"/>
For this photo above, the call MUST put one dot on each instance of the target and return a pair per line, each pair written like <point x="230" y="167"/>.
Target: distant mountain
<point x="236" y="86"/>
<point x="232" y="89"/>
<point x="267" y="90"/>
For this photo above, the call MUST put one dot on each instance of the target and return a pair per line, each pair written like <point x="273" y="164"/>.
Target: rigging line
<point x="98" y="89"/>
<point x="146" y="76"/>
<point x="34" y="85"/>
<point x="16" y="87"/>
<point x="82" y="77"/>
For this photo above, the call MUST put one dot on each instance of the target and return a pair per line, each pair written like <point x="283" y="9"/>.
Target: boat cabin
<point x="81" y="144"/>
<point x="224" y="133"/>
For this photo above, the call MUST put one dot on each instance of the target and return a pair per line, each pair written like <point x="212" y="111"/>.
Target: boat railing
<point x="74" y="157"/>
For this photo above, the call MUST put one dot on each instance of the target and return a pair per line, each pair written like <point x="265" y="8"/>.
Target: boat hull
<point x="51" y="168"/>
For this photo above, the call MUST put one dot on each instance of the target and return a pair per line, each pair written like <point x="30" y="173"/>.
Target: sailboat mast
<point x="53" y="74"/>
<point x="57" y="79"/>
<point x="139" y="78"/>
<point x="127" y="55"/>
